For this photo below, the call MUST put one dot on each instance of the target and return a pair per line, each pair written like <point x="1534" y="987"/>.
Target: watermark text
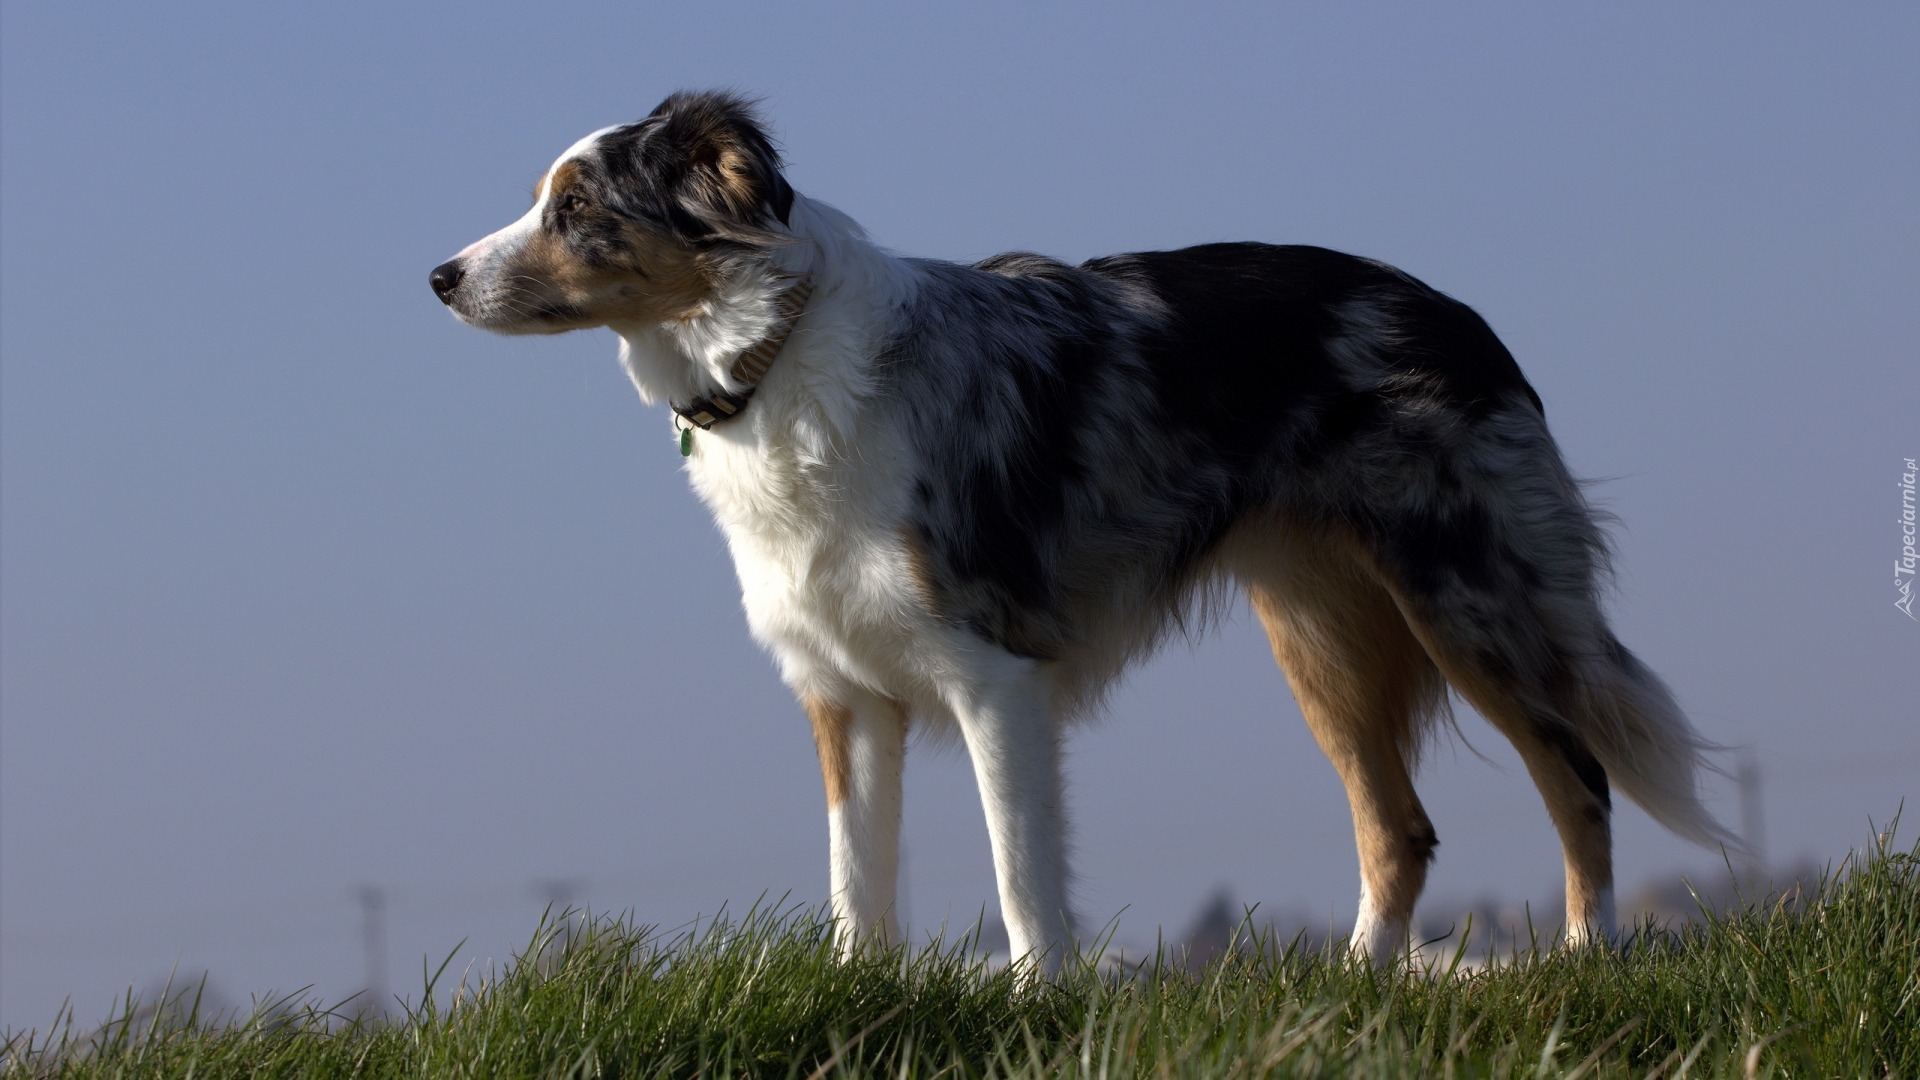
<point x="1904" y="566"/>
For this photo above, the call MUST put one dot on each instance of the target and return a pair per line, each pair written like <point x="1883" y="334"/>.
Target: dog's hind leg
<point x="1005" y="714"/>
<point x="1571" y="779"/>
<point x="1366" y="689"/>
<point x="1495" y="569"/>
<point x="862" y="742"/>
<point x="1585" y="715"/>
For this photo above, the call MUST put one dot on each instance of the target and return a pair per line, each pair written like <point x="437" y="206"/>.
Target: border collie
<point x="969" y="496"/>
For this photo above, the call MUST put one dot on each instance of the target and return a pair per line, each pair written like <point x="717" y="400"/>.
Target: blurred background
<point x="337" y="639"/>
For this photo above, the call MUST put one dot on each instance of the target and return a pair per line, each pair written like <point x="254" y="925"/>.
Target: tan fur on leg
<point x="1364" y="686"/>
<point x="1563" y="770"/>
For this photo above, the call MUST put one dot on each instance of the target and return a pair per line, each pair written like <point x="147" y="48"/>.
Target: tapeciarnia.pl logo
<point x="1903" y="567"/>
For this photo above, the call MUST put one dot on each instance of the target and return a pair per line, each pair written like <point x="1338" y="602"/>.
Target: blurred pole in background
<point x="373" y="939"/>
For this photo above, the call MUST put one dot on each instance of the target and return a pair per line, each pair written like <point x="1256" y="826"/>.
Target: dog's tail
<point x="1500" y="580"/>
<point x="1629" y="720"/>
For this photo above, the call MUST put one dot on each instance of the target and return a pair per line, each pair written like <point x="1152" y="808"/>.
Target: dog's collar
<point x="751" y="366"/>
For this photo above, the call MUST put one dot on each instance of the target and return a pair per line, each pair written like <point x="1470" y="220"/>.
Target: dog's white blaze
<point x="505" y="242"/>
<point x="579" y="147"/>
<point x="484" y="252"/>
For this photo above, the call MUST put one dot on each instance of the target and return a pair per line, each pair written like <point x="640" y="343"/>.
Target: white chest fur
<point x="814" y="524"/>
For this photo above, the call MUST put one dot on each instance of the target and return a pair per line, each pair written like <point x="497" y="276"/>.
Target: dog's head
<point x="634" y="225"/>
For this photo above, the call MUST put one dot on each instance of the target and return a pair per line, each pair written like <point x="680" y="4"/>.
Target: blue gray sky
<point x="305" y="587"/>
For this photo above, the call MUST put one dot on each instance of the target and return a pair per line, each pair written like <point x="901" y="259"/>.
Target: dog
<point x="967" y="497"/>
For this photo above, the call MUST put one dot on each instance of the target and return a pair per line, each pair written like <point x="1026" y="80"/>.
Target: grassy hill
<point x="1824" y="982"/>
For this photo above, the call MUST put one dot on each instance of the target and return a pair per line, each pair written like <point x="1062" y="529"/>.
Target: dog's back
<point x="1083" y="430"/>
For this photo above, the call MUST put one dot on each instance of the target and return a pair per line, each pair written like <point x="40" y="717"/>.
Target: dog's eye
<point x="573" y="204"/>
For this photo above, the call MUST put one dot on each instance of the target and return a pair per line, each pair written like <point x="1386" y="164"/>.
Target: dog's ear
<point x="730" y="170"/>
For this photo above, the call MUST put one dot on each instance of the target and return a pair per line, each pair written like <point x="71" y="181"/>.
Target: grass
<point x="1824" y="982"/>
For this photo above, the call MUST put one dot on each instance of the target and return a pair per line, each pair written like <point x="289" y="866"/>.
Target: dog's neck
<point x="750" y="366"/>
<point x="692" y="359"/>
<point x="698" y="357"/>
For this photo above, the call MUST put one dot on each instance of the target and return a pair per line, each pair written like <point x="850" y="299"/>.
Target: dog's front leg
<point x="1015" y="745"/>
<point x="862" y="741"/>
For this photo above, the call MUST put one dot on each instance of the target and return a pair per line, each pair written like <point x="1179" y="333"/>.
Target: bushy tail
<point x="1652" y="754"/>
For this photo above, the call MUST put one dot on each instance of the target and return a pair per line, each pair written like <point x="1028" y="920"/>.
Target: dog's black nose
<point x="446" y="278"/>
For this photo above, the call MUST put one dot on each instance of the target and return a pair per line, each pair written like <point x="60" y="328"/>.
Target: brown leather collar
<point x="752" y="365"/>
